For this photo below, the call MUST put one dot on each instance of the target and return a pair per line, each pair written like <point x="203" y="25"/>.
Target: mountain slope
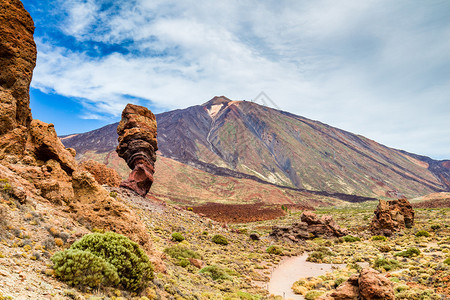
<point x="244" y="139"/>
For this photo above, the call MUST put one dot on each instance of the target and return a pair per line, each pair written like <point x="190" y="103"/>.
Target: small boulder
<point x="254" y="236"/>
<point x="198" y="263"/>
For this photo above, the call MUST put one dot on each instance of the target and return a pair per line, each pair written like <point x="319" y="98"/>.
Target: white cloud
<point x="371" y="67"/>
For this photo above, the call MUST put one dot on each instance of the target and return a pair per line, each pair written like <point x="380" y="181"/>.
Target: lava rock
<point x="137" y="146"/>
<point x="391" y="216"/>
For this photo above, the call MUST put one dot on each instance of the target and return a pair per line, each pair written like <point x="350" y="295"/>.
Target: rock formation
<point x="311" y="226"/>
<point x="17" y="61"/>
<point x="369" y="284"/>
<point x="137" y="146"/>
<point x="32" y="158"/>
<point x="101" y="173"/>
<point x="392" y="216"/>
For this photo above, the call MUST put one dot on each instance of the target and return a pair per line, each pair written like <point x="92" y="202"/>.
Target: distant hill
<point x="242" y="139"/>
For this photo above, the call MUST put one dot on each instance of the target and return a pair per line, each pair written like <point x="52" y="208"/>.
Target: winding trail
<point x="292" y="269"/>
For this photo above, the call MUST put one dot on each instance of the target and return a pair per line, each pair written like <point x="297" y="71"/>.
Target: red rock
<point x="17" y="61"/>
<point x="369" y="284"/>
<point x="101" y="173"/>
<point x="373" y="285"/>
<point x="310" y="227"/>
<point x="392" y="216"/>
<point x="137" y="146"/>
<point x="197" y="262"/>
<point x="348" y="290"/>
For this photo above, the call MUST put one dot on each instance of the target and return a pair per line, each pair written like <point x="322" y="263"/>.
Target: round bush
<point x="131" y="262"/>
<point x="178" y="237"/>
<point x="408" y="253"/>
<point x="379" y="238"/>
<point x="274" y="250"/>
<point x="82" y="268"/>
<point x="219" y="239"/>
<point x="216" y="272"/>
<point x="386" y="264"/>
<point x="422" y="233"/>
<point x="351" y="238"/>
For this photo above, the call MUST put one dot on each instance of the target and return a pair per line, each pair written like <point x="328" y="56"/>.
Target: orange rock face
<point x="17" y="61"/>
<point x="392" y="216"/>
<point x="101" y="173"/>
<point x="137" y="146"/>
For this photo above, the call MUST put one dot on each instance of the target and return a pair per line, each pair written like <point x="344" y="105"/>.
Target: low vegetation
<point x="114" y="259"/>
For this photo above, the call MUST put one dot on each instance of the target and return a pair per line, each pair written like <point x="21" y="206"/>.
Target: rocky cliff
<point x="33" y="160"/>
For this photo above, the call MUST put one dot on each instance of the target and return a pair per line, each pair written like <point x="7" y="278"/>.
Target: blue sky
<point x="377" y="68"/>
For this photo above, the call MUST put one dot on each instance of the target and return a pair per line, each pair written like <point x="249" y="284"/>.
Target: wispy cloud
<point x="378" y="68"/>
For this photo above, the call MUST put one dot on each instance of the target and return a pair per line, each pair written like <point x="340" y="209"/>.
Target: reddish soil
<point x="435" y="203"/>
<point x="239" y="213"/>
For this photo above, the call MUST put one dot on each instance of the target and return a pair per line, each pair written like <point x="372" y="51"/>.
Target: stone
<point x="373" y="285"/>
<point x="254" y="236"/>
<point x="348" y="290"/>
<point x="101" y="173"/>
<point x="369" y="284"/>
<point x="17" y="61"/>
<point x="311" y="226"/>
<point x="94" y="207"/>
<point x="198" y="263"/>
<point x="138" y="146"/>
<point x="391" y="216"/>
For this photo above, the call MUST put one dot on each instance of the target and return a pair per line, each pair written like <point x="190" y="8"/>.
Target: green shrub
<point x="422" y="233"/>
<point x="314" y="294"/>
<point x="178" y="237"/>
<point x="379" y="238"/>
<point x="409" y="252"/>
<point x="351" y="238"/>
<point x="131" y="262"/>
<point x="82" y="268"/>
<point x="386" y="264"/>
<point x="447" y="261"/>
<point x="219" y="239"/>
<point x="319" y="255"/>
<point x="215" y="272"/>
<point x="338" y="281"/>
<point x="277" y="250"/>
<point x="181" y="254"/>
<point x="247" y="296"/>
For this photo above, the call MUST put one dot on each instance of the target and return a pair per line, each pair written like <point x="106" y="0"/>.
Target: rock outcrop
<point x="391" y="216"/>
<point x="32" y="157"/>
<point x="137" y="146"/>
<point x="311" y="226"/>
<point x="17" y="61"/>
<point x="369" y="284"/>
<point x="101" y="173"/>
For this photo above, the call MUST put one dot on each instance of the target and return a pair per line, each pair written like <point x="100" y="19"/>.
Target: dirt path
<point x="290" y="270"/>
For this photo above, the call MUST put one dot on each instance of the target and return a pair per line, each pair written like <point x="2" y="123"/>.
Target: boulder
<point x="102" y="173"/>
<point x="373" y="285"/>
<point x="369" y="284"/>
<point x="198" y="263"/>
<point x="137" y="146"/>
<point x="391" y="216"/>
<point x="311" y="226"/>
